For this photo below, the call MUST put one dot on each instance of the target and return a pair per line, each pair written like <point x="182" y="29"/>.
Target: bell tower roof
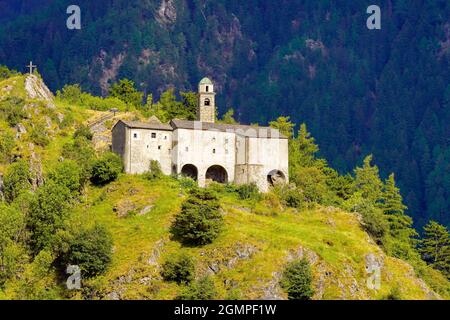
<point x="205" y="81"/>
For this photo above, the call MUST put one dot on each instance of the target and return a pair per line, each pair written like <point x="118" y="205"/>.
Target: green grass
<point x="335" y="236"/>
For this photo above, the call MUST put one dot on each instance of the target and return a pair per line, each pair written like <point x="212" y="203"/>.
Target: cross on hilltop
<point x="31" y="66"/>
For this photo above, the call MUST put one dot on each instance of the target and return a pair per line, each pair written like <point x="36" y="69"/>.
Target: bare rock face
<point x="37" y="179"/>
<point x="2" y="195"/>
<point x="167" y="13"/>
<point x="36" y="89"/>
<point x="124" y="208"/>
<point x="20" y="129"/>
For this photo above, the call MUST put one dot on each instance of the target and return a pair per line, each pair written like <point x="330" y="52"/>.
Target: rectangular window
<point x="226" y="140"/>
<point x="159" y="147"/>
<point x="165" y="137"/>
<point x="153" y="135"/>
<point x="186" y="149"/>
<point x="214" y="150"/>
<point x="135" y="135"/>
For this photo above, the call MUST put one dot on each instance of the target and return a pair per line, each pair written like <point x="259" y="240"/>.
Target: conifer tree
<point x="400" y="224"/>
<point x="435" y="247"/>
<point x="368" y="181"/>
<point x="284" y="125"/>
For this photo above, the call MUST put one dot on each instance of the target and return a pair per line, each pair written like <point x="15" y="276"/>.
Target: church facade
<point x="203" y="149"/>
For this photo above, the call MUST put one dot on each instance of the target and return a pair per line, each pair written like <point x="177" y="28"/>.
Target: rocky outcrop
<point x="167" y="13"/>
<point x="36" y="89"/>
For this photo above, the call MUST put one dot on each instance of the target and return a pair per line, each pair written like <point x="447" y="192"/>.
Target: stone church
<point x="204" y="150"/>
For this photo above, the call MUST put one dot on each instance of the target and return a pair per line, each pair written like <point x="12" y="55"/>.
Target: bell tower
<point x="206" y="101"/>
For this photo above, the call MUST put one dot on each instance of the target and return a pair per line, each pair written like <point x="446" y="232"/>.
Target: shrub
<point x="71" y="93"/>
<point x="39" y="135"/>
<point x="48" y="210"/>
<point x="82" y="152"/>
<point x="83" y="131"/>
<point x="12" y="109"/>
<point x="106" y="169"/>
<point x="16" y="180"/>
<point x="394" y="294"/>
<point x="178" y="268"/>
<point x="248" y="191"/>
<point x="297" y="280"/>
<point x="91" y="250"/>
<point x="7" y="144"/>
<point x="154" y="171"/>
<point x="203" y="289"/>
<point x="67" y="174"/>
<point x="292" y="197"/>
<point x="200" y="220"/>
<point x="6" y="73"/>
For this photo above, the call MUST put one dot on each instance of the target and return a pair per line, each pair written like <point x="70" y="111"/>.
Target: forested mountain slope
<point x="360" y="91"/>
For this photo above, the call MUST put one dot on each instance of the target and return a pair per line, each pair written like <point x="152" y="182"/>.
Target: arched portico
<point x="190" y="171"/>
<point x="217" y="173"/>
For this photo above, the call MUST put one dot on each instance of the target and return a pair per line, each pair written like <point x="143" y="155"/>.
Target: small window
<point x="135" y="135"/>
<point x="214" y="150"/>
<point x="147" y="146"/>
<point x="159" y="147"/>
<point x="186" y="149"/>
<point x="214" y="139"/>
<point x="153" y="135"/>
<point x="226" y="151"/>
<point x="165" y="137"/>
<point x="207" y="102"/>
<point x="207" y="88"/>
<point x="226" y="140"/>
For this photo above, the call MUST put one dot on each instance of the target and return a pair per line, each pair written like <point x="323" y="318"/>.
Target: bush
<point x="49" y="209"/>
<point x="203" y="289"/>
<point x="178" y="268"/>
<point x="200" y="220"/>
<point x="6" y="73"/>
<point x="39" y="135"/>
<point x="248" y="191"/>
<point x="106" y="169"/>
<point x="67" y="174"/>
<point x="154" y="171"/>
<point x="292" y="197"/>
<point x="7" y="144"/>
<point x="16" y="180"/>
<point x="394" y="294"/>
<point x="297" y="280"/>
<point x="82" y="152"/>
<point x="91" y="250"/>
<point x="12" y="110"/>
<point x="83" y="131"/>
<point x="71" y="93"/>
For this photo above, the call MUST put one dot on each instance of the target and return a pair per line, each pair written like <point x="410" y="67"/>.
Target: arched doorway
<point x="190" y="171"/>
<point x="217" y="173"/>
<point x="276" y="177"/>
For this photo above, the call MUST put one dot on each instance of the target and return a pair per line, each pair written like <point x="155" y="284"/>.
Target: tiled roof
<point x="243" y="130"/>
<point x="147" y="125"/>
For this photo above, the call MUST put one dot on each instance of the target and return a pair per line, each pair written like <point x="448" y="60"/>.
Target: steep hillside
<point x="245" y="262"/>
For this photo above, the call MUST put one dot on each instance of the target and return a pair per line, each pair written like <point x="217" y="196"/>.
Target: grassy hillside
<point x="246" y="262"/>
<point x="247" y="259"/>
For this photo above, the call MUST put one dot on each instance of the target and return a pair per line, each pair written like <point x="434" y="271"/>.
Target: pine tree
<point x="435" y="247"/>
<point x="368" y="181"/>
<point x="284" y="125"/>
<point x="400" y="224"/>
